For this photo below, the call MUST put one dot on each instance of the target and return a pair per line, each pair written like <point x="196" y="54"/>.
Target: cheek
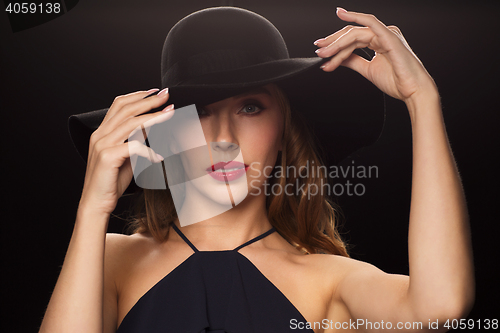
<point x="259" y="145"/>
<point x="261" y="139"/>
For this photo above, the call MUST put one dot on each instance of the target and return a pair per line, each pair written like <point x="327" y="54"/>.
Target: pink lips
<point x="219" y="173"/>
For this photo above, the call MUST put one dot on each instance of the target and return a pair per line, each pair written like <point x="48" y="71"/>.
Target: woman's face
<point x="245" y="130"/>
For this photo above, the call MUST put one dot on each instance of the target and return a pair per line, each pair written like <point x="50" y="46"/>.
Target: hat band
<point x="211" y="62"/>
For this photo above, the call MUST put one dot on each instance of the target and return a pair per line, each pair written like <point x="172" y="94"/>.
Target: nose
<point x="222" y="134"/>
<point x="223" y="142"/>
<point x="224" y="151"/>
<point x="224" y="147"/>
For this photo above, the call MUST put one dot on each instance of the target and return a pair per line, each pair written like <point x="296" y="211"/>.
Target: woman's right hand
<point x="109" y="171"/>
<point x="85" y="298"/>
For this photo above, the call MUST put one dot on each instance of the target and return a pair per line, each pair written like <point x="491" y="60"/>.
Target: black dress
<point x="213" y="291"/>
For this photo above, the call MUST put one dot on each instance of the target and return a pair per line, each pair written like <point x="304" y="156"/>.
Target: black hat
<point x="219" y="52"/>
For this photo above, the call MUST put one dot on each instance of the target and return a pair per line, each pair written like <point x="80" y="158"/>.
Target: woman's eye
<point x="251" y="108"/>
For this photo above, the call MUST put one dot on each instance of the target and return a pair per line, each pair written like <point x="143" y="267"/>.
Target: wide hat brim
<point x="343" y="110"/>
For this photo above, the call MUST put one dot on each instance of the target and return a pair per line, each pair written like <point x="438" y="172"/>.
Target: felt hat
<point x="218" y="52"/>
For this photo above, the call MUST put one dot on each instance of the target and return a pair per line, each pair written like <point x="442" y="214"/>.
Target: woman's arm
<point x="76" y="304"/>
<point x="440" y="252"/>
<point x="84" y="298"/>
<point x="441" y="281"/>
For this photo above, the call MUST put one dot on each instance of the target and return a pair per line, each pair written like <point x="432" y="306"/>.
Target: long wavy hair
<point x="307" y="221"/>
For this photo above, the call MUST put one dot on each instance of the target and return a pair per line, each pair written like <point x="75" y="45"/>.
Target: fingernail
<point x="318" y="50"/>
<point x="159" y="157"/>
<point x="152" y="90"/>
<point x="323" y="66"/>
<point x="163" y="92"/>
<point x="168" y="108"/>
<point x="317" y="41"/>
<point x="342" y="10"/>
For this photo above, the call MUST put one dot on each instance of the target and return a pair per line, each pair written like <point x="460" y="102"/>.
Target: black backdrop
<point x="98" y="50"/>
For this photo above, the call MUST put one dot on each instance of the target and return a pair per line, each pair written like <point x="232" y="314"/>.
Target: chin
<point x="220" y="193"/>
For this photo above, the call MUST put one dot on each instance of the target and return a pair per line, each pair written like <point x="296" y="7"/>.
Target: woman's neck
<point x="230" y="229"/>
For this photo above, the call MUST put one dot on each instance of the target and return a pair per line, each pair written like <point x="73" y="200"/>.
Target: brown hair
<point x="308" y="222"/>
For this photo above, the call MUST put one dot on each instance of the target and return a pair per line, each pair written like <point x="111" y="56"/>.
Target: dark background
<point x="81" y="60"/>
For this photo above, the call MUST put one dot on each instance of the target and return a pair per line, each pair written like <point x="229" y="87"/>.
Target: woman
<point x="151" y="281"/>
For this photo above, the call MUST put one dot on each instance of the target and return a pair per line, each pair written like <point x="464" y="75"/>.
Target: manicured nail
<point x="318" y="50"/>
<point x="159" y="158"/>
<point x="168" y="108"/>
<point x="342" y="10"/>
<point x="150" y="91"/>
<point x="323" y="66"/>
<point x="317" y="41"/>
<point x="163" y="92"/>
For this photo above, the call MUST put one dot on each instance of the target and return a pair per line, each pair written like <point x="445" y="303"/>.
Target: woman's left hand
<point x="394" y="69"/>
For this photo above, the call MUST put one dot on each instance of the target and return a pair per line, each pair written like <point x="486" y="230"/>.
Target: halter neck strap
<point x="185" y="238"/>
<point x="270" y="231"/>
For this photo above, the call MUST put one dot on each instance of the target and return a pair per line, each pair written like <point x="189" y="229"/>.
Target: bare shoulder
<point x="348" y="273"/>
<point x="312" y="282"/>
<point x="122" y="253"/>
<point x="123" y="250"/>
<point x="334" y="265"/>
<point x="343" y="265"/>
<point x="329" y="267"/>
<point x="119" y="243"/>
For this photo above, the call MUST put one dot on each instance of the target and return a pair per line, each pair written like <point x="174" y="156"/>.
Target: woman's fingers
<point x="373" y="33"/>
<point x="395" y="69"/>
<point x="359" y="36"/>
<point x="139" y="149"/>
<point x="123" y="108"/>
<point x="341" y="50"/>
<point x="113" y="157"/>
<point x="341" y="56"/>
<point x="128" y="128"/>
<point x="367" y="20"/>
<point x="125" y="99"/>
<point x="358" y="64"/>
<point x="108" y="172"/>
<point x="126" y="107"/>
<point x="333" y="37"/>
<point x="384" y="40"/>
<point x="121" y="118"/>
